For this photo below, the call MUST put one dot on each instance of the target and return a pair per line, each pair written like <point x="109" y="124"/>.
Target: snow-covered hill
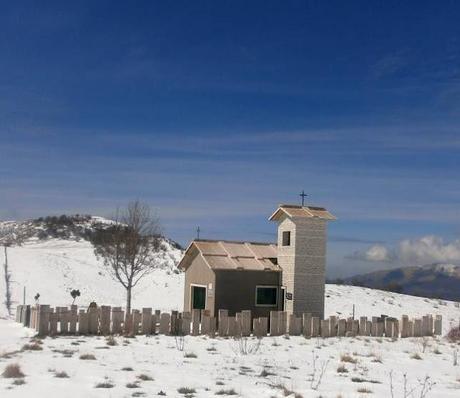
<point x="58" y="257"/>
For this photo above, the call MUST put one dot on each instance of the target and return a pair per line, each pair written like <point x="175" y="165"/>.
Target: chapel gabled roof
<point x="296" y="211"/>
<point x="232" y="255"/>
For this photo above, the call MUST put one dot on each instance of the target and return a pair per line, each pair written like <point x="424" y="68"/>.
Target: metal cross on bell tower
<point x="198" y="230"/>
<point x="303" y="195"/>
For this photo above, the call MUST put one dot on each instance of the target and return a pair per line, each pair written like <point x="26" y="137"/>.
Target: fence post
<point x="73" y="318"/>
<point x="205" y="324"/>
<point x="195" y="322"/>
<point x="274" y="322"/>
<point x="395" y="328"/>
<point x="325" y="328"/>
<point x="438" y="325"/>
<point x="232" y="326"/>
<point x="306" y="324"/>
<point x="223" y="323"/>
<point x="404" y="326"/>
<point x="332" y="326"/>
<point x="164" y="323"/>
<point x="53" y="318"/>
<point x="186" y="320"/>
<point x="246" y="322"/>
<point x="136" y="322"/>
<point x="105" y="320"/>
<point x="342" y="328"/>
<point x="63" y="317"/>
<point x="93" y="320"/>
<point x="146" y="323"/>
<point x="362" y="325"/>
<point x="417" y="327"/>
<point x="43" y="320"/>
<point x="315" y="326"/>
<point x="117" y="320"/>
<point x="83" y="321"/>
<point x="282" y="325"/>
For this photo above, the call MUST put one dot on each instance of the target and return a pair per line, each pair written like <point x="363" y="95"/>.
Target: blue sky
<point x="214" y="112"/>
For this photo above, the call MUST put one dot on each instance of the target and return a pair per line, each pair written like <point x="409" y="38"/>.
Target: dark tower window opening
<point x="286" y="238"/>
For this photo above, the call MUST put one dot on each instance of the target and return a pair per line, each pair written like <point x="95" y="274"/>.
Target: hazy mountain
<point x="433" y="280"/>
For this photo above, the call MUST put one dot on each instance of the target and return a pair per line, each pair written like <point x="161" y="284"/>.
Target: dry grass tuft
<point x="348" y="358"/>
<point x="342" y="369"/>
<point x="416" y="355"/>
<point x="13" y="371"/>
<point x="226" y="392"/>
<point x="186" y="390"/>
<point x="144" y="377"/>
<point x="190" y="355"/>
<point x="32" y="347"/>
<point x="61" y="375"/>
<point x="87" y="357"/>
<point x="132" y="385"/>
<point x="104" y="384"/>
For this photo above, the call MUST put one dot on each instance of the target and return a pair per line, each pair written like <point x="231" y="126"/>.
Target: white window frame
<point x="205" y="296"/>
<point x="267" y="287"/>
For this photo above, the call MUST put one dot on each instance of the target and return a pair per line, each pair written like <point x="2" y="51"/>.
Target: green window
<point x="267" y="296"/>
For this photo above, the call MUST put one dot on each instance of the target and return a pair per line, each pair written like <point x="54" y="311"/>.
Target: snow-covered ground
<point x="54" y="267"/>
<point x="278" y="367"/>
<point x="353" y="367"/>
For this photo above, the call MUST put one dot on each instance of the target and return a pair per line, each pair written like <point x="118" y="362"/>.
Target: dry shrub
<point x="132" y="385"/>
<point x="61" y="375"/>
<point x="342" y="369"/>
<point x="13" y="371"/>
<point x="348" y="358"/>
<point x="87" y="357"/>
<point x="186" y="390"/>
<point x="32" y="347"/>
<point x="226" y="392"/>
<point x="144" y="377"/>
<point x="105" y="384"/>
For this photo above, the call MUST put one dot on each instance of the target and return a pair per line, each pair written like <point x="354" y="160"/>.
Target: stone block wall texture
<point x="303" y="264"/>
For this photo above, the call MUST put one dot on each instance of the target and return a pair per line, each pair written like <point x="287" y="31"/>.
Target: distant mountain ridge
<point x="433" y="280"/>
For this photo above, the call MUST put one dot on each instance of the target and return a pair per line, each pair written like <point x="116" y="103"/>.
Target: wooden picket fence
<point x="106" y="320"/>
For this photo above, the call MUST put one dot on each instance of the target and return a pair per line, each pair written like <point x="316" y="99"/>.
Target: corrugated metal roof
<point x="230" y="255"/>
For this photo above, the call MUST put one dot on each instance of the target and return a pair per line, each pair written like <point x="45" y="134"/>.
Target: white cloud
<point x="375" y="253"/>
<point x="425" y="250"/>
<point x="429" y="249"/>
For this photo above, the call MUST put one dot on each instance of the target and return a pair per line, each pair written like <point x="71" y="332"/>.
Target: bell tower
<point x="302" y="237"/>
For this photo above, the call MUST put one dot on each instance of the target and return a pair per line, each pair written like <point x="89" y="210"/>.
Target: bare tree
<point x="10" y="236"/>
<point x="127" y="247"/>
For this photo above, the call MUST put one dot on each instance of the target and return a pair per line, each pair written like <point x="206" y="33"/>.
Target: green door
<point x="198" y="298"/>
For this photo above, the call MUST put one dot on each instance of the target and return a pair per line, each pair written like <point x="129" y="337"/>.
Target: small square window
<point x="266" y="296"/>
<point x="286" y="238"/>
